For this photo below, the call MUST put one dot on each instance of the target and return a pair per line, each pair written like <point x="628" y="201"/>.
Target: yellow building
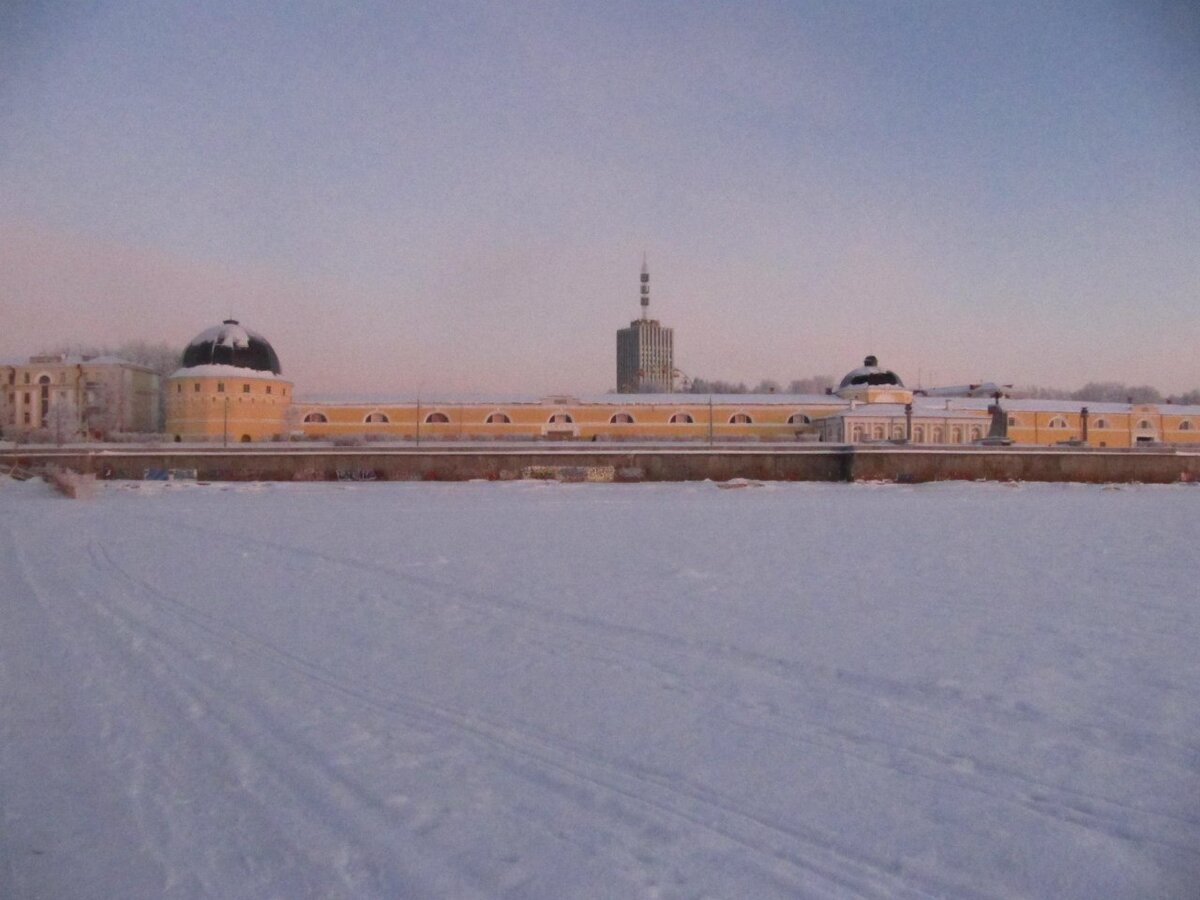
<point x="229" y="388"/>
<point x="64" y="398"/>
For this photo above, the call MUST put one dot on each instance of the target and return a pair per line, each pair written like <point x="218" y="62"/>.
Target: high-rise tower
<point x="645" y="351"/>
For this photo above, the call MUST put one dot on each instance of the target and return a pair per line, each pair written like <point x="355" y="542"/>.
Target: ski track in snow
<point x="281" y="710"/>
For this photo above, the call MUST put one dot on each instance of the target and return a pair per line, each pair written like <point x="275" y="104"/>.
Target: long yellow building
<point x="231" y="389"/>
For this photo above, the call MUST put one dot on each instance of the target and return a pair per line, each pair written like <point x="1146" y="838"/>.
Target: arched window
<point x="938" y="434"/>
<point x="976" y="433"/>
<point x="1058" y="422"/>
<point x="877" y="433"/>
<point x="377" y="417"/>
<point x="316" y="417"/>
<point x="857" y="433"/>
<point x="621" y="418"/>
<point x="44" y="381"/>
<point x="898" y="432"/>
<point x="246" y="438"/>
<point x="918" y="433"/>
<point x="1185" y="425"/>
<point x="1145" y="425"/>
<point x="560" y="418"/>
<point x="1100" y="423"/>
<point x="437" y="418"/>
<point x="799" y="419"/>
<point x="740" y="419"/>
<point x="498" y="418"/>
<point x="956" y="434"/>
<point x="681" y="418"/>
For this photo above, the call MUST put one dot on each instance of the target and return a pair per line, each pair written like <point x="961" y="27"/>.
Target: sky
<point x="457" y="196"/>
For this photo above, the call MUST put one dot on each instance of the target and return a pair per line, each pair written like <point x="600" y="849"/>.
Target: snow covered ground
<point x="545" y="690"/>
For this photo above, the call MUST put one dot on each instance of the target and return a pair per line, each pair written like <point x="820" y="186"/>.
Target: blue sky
<point x="457" y="195"/>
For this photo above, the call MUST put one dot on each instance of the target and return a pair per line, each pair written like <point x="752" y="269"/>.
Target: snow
<point x="217" y="370"/>
<point x="543" y="690"/>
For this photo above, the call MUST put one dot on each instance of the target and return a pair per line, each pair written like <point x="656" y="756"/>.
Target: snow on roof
<point x="214" y="370"/>
<point x="630" y="400"/>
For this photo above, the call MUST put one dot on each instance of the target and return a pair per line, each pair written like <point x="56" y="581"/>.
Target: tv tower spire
<point x="645" y="286"/>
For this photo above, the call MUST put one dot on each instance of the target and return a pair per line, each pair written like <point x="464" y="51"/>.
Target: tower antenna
<point x="645" y="286"/>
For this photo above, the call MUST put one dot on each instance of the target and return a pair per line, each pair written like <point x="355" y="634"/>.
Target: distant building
<point x="65" y="397"/>
<point x="645" y="351"/>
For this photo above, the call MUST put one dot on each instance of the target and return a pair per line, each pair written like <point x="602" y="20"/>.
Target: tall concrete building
<point x="645" y="351"/>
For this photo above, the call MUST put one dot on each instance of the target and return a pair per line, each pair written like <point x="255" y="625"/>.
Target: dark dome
<point x="869" y="373"/>
<point x="229" y="344"/>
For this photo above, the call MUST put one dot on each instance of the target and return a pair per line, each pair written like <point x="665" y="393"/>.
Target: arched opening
<point x="681" y="418"/>
<point x="437" y="418"/>
<point x="245" y="438"/>
<point x="919" y="433"/>
<point x="498" y="418"/>
<point x="44" y="385"/>
<point x="560" y="418"/>
<point x="799" y="419"/>
<point x="740" y="419"/>
<point x="377" y="417"/>
<point x="621" y="418"/>
<point x="1058" y="422"/>
<point x="316" y="417"/>
<point x="938" y="434"/>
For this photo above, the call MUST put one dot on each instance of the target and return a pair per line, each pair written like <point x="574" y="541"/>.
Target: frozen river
<point x="545" y="690"/>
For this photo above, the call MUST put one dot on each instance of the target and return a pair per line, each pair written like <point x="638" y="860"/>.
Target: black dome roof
<point x="229" y="344"/>
<point x="869" y="373"/>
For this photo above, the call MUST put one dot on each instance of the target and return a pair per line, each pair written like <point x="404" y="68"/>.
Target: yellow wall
<point x="236" y="408"/>
<point x="533" y="420"/>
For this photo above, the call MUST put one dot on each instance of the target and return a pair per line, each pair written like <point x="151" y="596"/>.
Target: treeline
<point x="163" y="358"/>
<point x="1092" y="392"/>
<point x="817" y="384"/>
<point x="1110" y="392"/>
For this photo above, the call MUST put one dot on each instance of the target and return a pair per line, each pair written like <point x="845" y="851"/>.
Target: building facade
<point x="645" y="351"/>
<point x="64" y="398"/>
<point x="230" y="388"/>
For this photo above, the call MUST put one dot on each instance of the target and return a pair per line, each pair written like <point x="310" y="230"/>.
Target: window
<point x="1101" y="423"/>
<point x="437" y="418"/>
<point x="27" y="378"/>
<point x="196" y="387"/>
<point x="740" y="419"/>
<point x="561" y="418"/>
<point x="1012" y="421"/>
<point x="377" y="417"/>
<point x="220" y="387"/>
<point x="621" y="418"/>
<point x="798" y="419"/>
<point x="938" y="434"/>
<point x="976" y="433"/>
<point x="1058" y="422"/>
<point x="268" y="389"/>
<point x="681" y="418"/>
<point x="919" y="433"/>
<point x="858" y="433"/>
<point x="898" y="432"/>
<point x="1185" y="425"/>
<point x="179" y="388"/>
<point x="1145" y="425"/>
<point x="316" y="417"/>
<point x="245" y="388"/>
<point x="498" y="418"/>
<point x="878" y="433"/>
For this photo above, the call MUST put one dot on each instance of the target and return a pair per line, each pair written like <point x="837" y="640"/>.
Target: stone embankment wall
<point x="787" y="463"/>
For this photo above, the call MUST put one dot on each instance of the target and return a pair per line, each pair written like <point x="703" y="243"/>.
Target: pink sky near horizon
<point x="456" y="196"/>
